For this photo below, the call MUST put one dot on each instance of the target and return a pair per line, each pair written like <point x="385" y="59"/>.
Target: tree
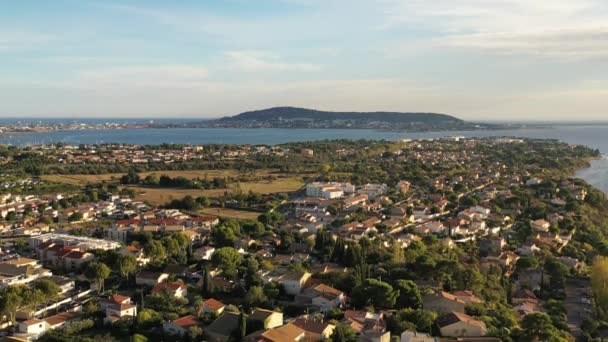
<point x="538" y="327"/>
<point x="139" y="338"/>
<point x="10" y="302"/>
<point x="156" y="252"/>
<point x="343" y="333"/>
<point x="76" y="216"/>
<point x="255" y="296"/>
<point x="126" y="264"/>
<point x="420" y="320"/>
<point x="409" y="296"/>
<point x="130" y="178"/>
<point x="97" y="272"/>
<point x="207" y="286"/>
<point x="339" y="250"/>
<point x="195" y="333"/>
<point x="225" y="234"/>
<point x="50" y="290"/>
<point x="374" y="292"/>
<point x="151" y="179"/>
<point x="525" y="262"/>
<point x="242" y="326"/>
<point x="227" y="259"/>
<point x="397" y="255"/>
<point x="599" y="285"/>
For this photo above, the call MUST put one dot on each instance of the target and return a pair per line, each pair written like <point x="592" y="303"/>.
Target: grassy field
<point x="279" y="182"/>
<point x="161" y="196"/>
<point x="231" y="213"/>
<point x="190" y="174"/>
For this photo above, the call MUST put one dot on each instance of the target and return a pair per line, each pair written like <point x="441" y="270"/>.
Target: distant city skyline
<point x="479" y="60"/>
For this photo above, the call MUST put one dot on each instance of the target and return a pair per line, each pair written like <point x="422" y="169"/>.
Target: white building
<point x="84" y="243"/>
<point x="373" y="190"/>
<point x="329" y="190"/>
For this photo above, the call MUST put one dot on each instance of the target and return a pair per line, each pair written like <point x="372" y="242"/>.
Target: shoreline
<point x="590" y="181"/>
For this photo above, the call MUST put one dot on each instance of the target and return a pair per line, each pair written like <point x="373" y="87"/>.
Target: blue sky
<point x="477" y="59"/>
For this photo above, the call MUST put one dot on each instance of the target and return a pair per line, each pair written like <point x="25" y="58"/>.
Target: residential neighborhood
<point x="423" y="240"/>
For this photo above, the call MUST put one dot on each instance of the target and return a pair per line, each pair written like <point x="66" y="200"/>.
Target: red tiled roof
<point x="118" y="298"/>
<point x="187" y="321"/>
<point x="174" y="286"/>
<point x="204" y="219"/>
<point x="75" y="255"/>
<point x="213" y="304"/>
<point x="132" y="248"/>
<point x="167" y="221"/>
<point x="455" y="317"/>
<point x="128" y="222"/>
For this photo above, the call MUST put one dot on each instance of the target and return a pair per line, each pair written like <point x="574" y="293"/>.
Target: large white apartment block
<point x="84" y="243"/>
<point x="329" y="190"/>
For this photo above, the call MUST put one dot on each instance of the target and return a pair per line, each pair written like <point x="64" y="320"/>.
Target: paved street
<point x="577" y="293"/>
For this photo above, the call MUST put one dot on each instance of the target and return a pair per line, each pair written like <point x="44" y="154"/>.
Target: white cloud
<point x="255" y="61"/>
<point x="22" y="40"/>
<point x="158" y="76"/>
<point x="560" y="28"/>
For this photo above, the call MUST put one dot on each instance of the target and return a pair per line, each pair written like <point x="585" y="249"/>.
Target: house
<point x="458" y="324"/>
<point x="361" y="321"/>
<point x="205" y="221"/>
<point x="176" y="289"/>
<point x="33" y="328"/>
<point x="266" y="318"/>
<point x="116" y="312"/>
<point x="413" y="336"/>
<point x="61" y="320"/>
<point x="527" y="308"/>
<point x="374" y="336"/>
<point x="138" y="253"/>
<point x="355" y="201"/>
<point x="467" y="296"/>
<point x="21" y="271"/>
<point x="523" y="296"/>
<point x="507" y="259"/>
<point x="572" y="263"/>
<point x="373" y="190"/>
<point x="323" y="296"/>
<point x="222" y="328"/>
<point x="113" y="300"/>
<point x="285" y="333"/>
<point x="540" y="225"/>
<point x="443" y="302"/>
<point x="203" y="253"/>
<point x="65" y="284"/>
<point x="534" y="181"/>
<point x="314" y="330"/>
<point x="433" y="227"/>
<point x="212" y="306"/>
<point x="181" y="326"/>
<point x="532" y="278"/>
<point x="528" y="248"/>
<point x="293" y="282"/>
<point x="150" y="278"/>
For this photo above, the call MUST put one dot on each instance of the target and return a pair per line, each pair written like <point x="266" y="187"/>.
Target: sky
<point x="475" y="59"/>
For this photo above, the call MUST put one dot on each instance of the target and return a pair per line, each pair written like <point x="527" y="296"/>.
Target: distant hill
<point x="303" y="114"/>
<point x="293" y="117"/>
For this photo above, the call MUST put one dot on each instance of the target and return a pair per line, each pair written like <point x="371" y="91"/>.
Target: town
<point x="454" y="239"/>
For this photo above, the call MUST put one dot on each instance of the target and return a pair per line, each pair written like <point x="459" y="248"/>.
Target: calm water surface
<point x="593" y="136"/>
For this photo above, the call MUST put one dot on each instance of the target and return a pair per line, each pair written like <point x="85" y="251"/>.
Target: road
<point x="577" y="289"/>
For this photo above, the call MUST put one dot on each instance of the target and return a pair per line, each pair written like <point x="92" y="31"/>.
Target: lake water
<point x="595" y="136"/>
